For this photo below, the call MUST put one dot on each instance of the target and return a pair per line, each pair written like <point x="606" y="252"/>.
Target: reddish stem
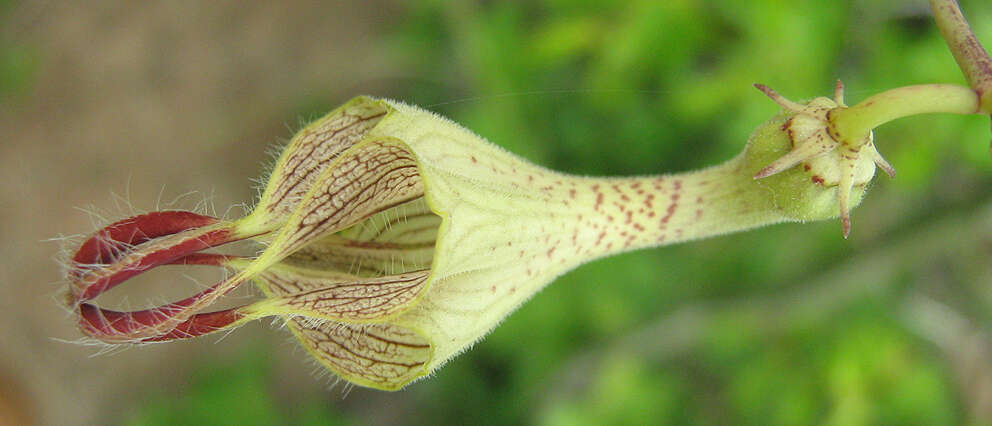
<point x="968" y="51"/>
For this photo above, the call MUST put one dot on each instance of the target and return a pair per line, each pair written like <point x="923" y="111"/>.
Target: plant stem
<point x="854" y="123"/>
<point x="969" y="53"/>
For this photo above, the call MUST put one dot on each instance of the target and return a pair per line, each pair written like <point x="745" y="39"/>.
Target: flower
<point x="395" y="239"/>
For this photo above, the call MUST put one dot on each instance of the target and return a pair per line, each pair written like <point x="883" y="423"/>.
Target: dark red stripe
<point x="200" y="324"/>
<point x="208" y="259"/>
<point x="115" y="325"/>
<point x="153" y="259"/>
<point x="104" y="246"/>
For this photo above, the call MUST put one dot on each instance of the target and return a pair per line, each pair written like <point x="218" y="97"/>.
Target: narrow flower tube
<point x="394" y="239"/>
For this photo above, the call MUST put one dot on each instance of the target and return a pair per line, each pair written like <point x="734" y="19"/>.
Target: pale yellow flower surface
<point x="395" y="239"/>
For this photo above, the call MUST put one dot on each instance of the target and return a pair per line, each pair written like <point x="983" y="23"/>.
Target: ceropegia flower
<point x="395" y="239"/>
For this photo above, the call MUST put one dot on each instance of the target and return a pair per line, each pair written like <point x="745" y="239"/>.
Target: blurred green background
<point x="789" y="324"/>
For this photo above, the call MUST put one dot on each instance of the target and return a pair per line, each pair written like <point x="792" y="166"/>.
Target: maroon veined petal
<point x="201" y="324"/>
<point x="108" y="243"/>
<point x="131" y="246"/>
<point x="116" y="326"/>
<point x="90" y="281"/>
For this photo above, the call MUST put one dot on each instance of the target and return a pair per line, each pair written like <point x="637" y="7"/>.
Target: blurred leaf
<point x="235" y="394"/>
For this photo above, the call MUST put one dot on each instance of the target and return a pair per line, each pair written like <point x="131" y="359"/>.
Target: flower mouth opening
<point x="336" y="293"/>
<point x="348" y="242"/>
<point x="397" y="241"/>
<point x="347" y="236"/>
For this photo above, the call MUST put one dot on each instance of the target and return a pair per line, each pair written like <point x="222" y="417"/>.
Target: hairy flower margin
<point x="395" y="239"/>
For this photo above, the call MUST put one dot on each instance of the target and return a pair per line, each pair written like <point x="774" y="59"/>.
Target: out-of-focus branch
<point x="967" y="347"/>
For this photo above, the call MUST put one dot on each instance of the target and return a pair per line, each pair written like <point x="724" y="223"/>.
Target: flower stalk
<point x="903" y="102"/>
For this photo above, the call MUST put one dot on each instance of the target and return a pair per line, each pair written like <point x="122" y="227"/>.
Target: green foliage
<point x="18" y="63"/>
<point x="17" y="68"/>
<point x="232" y="394"/>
